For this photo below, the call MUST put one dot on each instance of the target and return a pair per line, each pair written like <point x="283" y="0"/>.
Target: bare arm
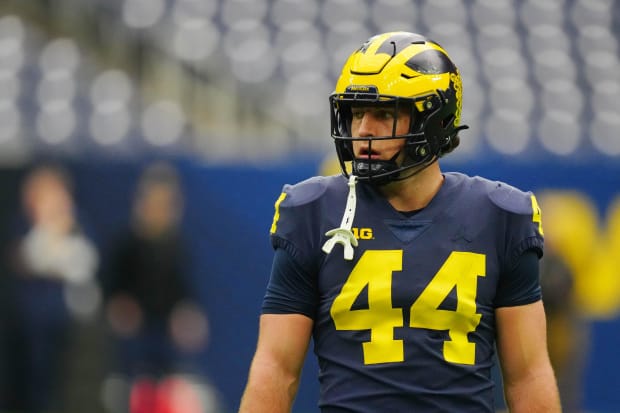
<point x="529" y="381"/>
<point x="275" y="371"/>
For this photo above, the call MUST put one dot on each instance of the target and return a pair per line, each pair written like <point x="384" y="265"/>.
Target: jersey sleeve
<point x="296" y="222"/>
<point x="520" y="285"/>
<point x="295" y="236"/>
<point x="523" y="245"/>
<point x="291" y="290"/>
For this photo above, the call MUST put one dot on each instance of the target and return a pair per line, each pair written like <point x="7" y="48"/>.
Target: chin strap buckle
<point x="343" y="234"/>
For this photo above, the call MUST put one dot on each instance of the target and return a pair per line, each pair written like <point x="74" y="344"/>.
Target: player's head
<point x="398" y="71"/>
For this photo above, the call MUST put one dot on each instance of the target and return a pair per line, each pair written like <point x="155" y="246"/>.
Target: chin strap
<point x="343" y="235"/>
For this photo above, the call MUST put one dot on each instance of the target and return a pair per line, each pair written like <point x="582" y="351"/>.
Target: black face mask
<point x="374" y="171"/>
<point x="431" y="135"/>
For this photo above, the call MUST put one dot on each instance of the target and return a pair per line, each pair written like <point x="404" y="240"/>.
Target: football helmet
<point x="398" y="70"/>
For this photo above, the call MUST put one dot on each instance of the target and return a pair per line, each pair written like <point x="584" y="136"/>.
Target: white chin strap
<point x="343" y="235"/>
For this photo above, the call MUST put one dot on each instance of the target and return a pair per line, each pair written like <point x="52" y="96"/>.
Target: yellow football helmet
<point x="399" y="69"/>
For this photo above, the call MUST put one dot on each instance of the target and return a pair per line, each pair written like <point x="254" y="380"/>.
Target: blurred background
<point x="144" y="142"/>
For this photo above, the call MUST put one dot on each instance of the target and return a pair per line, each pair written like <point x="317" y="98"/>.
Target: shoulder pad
<point x="509" y="198"/>
<point x="309" y="190"/>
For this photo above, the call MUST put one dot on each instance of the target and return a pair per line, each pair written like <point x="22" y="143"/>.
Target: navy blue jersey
<point x="408" y="324"/>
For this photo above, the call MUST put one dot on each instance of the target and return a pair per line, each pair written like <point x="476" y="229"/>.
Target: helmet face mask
<point x="398" y="71"/>
<point x="375" y="171"/>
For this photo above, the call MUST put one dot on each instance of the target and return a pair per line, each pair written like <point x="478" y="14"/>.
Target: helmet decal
<point x="457" y="85"/>
<point x="431" y="62"/>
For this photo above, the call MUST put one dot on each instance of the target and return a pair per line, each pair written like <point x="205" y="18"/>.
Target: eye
<point x="384" y="114"/>
<point x="357" y="113"/>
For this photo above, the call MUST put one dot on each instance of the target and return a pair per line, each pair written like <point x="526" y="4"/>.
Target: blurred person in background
<point x="567" y="330"/>
<point x="409" y="292"/>
<point x="52" y="264"/>
<point x="152" y="311"/>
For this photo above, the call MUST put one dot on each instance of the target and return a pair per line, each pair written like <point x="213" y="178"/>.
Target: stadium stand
<point x="226" y="79"/>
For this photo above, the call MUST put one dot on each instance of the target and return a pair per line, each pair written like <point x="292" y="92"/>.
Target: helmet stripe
<point x="396" y="43"/>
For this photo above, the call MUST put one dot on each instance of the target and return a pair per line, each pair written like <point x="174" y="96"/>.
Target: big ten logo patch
<point x="362" y="233"/>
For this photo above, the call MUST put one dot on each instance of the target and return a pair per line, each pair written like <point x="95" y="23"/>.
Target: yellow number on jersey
<point x="460" y="271"/>
<point x="537" y="215"/>
<point x="276" y="215"/>
<point x="374" y="271"/>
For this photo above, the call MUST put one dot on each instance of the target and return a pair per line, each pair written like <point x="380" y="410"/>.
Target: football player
<point x="406" y="278"/>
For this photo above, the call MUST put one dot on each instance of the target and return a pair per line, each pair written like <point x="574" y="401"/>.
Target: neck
<point x="415" y="192"/>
